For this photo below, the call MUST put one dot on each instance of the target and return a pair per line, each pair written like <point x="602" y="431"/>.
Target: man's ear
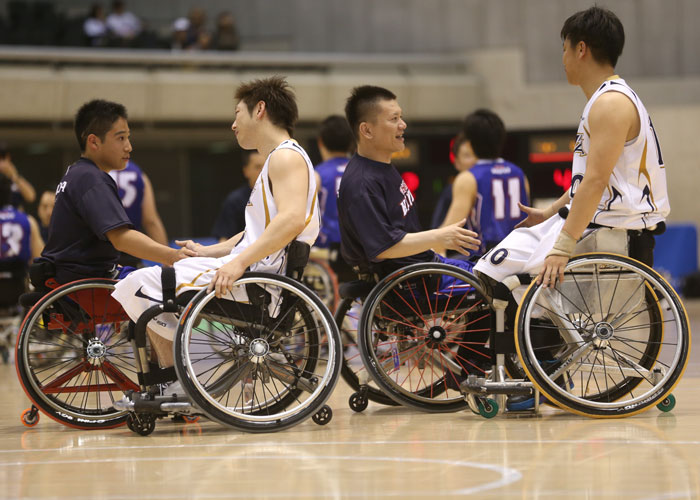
<point x="581" y="49"/>
<point x="260" y="108"/>
<point x="93" y="142"/>
<point x="366" y="130"/>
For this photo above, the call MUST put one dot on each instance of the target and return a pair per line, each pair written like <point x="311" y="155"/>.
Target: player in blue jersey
<point x="335" y="143"/>
<point x="379" y="225"/>
<point x="20" y="239"/>
<point x="490" y="192"/>
<point x="89" y="225"/>
<point x="136" y="192"/>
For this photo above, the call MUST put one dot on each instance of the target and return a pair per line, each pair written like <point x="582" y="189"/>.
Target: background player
<point x="89" y="225"/>
<point x="488" y="192"/>
<point x="282" y="208"/>
<point x="335" y="143"/>
<point x="136" y="192"/>
<point x="231" y="218"/>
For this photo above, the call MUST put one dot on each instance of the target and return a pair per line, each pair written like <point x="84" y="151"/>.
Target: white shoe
<point x="173" y="389"/>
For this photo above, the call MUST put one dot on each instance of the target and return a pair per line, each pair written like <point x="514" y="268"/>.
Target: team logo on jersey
<point x="61" y="187"/>
<point x="578" y="148"/>
<point x="408" y="199"/>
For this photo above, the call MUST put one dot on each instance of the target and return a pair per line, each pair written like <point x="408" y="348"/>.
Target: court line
<point x="364" y="443"/>
<point x="508" y="475"/>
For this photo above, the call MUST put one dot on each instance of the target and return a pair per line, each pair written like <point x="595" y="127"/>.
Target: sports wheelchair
<point x="259" y="365"/>
<point x="612" y="340"/>
<point x="13" y="283"/>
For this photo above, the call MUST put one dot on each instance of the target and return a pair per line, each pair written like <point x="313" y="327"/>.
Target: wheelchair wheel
<point x="320" y="278"/>
<point x="422" y="331"/>
<point x="73" y="355"/>
<point x="611" y="340"/>
<point x="262" y="365"/>
<point x="353" y="371"/>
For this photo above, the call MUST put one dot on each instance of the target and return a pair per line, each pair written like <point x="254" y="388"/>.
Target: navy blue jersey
<point x="376" y="210"/>
<point x="500" y="186"/>
<point x="87" y="207"/>
<point x="231" y="218"/>
<point x="131" y="187"/>
<point x="14" y="236"/>
<point x="331" y="172"/>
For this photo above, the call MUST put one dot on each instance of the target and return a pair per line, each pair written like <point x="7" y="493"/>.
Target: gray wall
<point x="662" y="39"/>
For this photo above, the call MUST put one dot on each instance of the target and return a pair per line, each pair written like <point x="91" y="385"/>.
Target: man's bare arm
<point x="141" y="246"/>
<point x="152" y="223"/>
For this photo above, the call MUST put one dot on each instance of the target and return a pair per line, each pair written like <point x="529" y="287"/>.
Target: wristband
<point x="564" y="246"/>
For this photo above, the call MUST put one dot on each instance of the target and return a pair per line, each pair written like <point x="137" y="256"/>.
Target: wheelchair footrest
<point x="482" y="387"/>
<point x="158" y="405"/>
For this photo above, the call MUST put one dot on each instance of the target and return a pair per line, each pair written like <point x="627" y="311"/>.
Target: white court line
<point x="364" y="443"/>
<point x="508" y="475"/>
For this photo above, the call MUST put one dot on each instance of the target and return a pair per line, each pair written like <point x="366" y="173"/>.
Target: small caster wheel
<point x="667" y="404"/>
<point x="30" y="417"/>
<point x="488" y="408"/>
<point x="191" y="419"/>
<point x="358" y="402"/>
<point x="142" y="424"/>
<point x="323" y="416"/>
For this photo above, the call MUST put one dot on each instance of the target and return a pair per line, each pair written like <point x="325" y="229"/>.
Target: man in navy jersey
<point x="336" y="143"/>
<point x="491" y="190"/>
<point x="89" y="225"/>
<point x="379" y="225"/>
<point x="136" y="192"/>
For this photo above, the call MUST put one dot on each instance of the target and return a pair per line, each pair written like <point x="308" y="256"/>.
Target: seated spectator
<point x="22" y="190"/>
<point x="95" y="27"/>
<point x="198" y="38"/>
<point x="179" y="39"/>
<point x="226" y="34"/>
<point x="123" y="26"/>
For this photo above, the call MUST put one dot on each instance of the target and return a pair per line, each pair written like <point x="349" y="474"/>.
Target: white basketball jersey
<point x="636" y="195"/>
<point x="261" y="209"/>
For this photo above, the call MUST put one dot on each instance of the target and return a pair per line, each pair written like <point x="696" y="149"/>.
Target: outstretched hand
<point x="534" y="216"/>
<point x="183" y="253"/>
<point x="455" y="237"/>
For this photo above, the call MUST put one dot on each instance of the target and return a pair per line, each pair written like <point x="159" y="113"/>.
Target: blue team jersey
<point x="330" y="171"/>
<point x="131" y="188"/>
<point x="500" y="186"/>
<point x="14" y="235"/>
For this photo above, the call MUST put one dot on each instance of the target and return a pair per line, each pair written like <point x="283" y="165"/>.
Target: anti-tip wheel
<point x="323" y="416"/>
<point x="667" y="404"/>
<point x="30" y="417"/>
<point x="488" y="408"/>
<point x="358" y="402"/>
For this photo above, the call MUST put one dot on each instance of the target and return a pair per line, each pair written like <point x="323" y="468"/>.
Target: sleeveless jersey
<point x="261" y="209"/>
<point x="331" y="172"/>
<point x="500" y="186"/>
<point x="131" y="188"/>
<point x="14" y="235"/>
<point x="636" y="195"/>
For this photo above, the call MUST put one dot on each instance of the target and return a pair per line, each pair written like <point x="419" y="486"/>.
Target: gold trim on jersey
<point x="643" y="171"/>
<point x="267" y="210"/>
<point x="314" y="205"/>
<point x="614" y="77"/>
<point x="192" y="283"/>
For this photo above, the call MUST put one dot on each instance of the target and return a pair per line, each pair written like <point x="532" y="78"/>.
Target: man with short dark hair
<point x="379" y="225"/>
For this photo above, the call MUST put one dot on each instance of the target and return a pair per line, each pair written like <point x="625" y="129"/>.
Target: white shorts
<point x="523" y="251"/>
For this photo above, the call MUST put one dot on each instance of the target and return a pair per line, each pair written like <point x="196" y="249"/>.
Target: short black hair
<point x="280" y="101"/>
<point x="96" y="117"/>
<point x="5" y="190"/>
<point x="362" y="103"/>
<point x="486" y="132"/>
<point x="335" y="134"/>
<point x="600" y="29"/>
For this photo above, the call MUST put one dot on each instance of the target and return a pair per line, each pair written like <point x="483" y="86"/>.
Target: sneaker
<point x="173" y="389"/>
<point x="522" y="402"/>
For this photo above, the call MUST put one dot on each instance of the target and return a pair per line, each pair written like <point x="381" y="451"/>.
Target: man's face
<point x="251" y="170"/>
<point x="46" y="203"/>
<point x="114" y="151"/>
<point x="243" y="126"/>
<point x="465" y="158"/>
<point x="387" y="127"/>
<point x="570" y="62"/>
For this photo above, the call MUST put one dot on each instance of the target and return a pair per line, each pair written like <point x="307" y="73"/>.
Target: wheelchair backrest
<point x="297" y="258"/>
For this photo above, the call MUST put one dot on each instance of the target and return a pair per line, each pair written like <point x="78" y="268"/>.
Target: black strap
<point x="167" y="278"/>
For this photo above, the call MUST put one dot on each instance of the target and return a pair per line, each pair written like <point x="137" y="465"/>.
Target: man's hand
<point x="455" y="237"/>
<point x="8" y="169"/>
<point x="183" y="253"/>
<point x="225" y="277"/>
<point x="534" y="216"/>
<point x="552" y="271"/>
<point x="198" y="248"/>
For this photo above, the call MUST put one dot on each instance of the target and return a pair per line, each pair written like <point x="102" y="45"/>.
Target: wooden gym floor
<point x="381" y="453"/>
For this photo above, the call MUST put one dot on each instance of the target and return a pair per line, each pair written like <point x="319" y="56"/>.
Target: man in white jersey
<point x="282" y="207"/>
<point x="618" y="177"/>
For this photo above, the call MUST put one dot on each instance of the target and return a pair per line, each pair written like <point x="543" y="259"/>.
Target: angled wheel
<point x="74" y="359"/>
<point x="423" y="329"/>
<point x="611" y="340"/>
<point x="353" y="371"/>
<point x="263" y="365"/>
